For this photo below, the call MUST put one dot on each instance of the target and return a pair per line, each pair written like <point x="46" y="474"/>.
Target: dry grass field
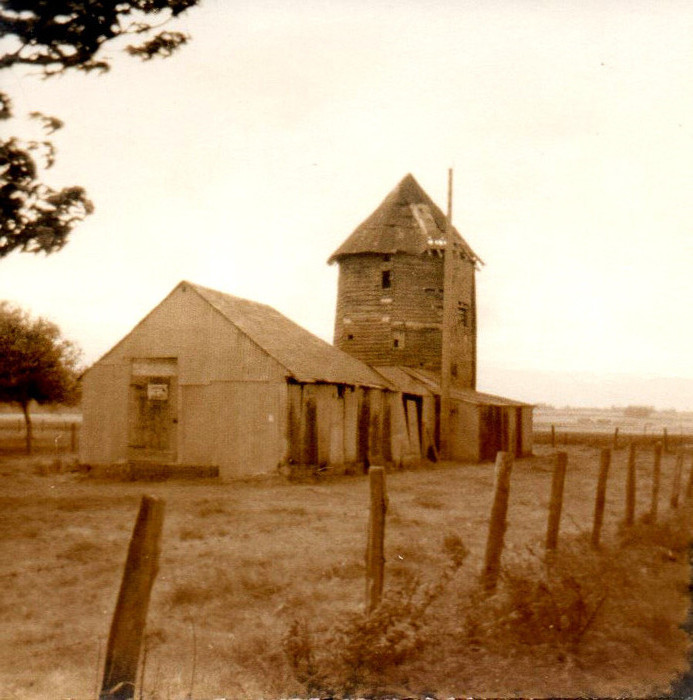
<point x="261" y="585"/>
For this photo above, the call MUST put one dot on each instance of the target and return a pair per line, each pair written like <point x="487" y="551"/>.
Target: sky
<point x="242" y="162"/>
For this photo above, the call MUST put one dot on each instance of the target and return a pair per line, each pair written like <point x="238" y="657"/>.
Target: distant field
<point x="571" y="423"/>
<point x="241" y="562"/>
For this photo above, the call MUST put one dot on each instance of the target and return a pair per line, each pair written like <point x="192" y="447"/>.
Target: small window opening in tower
<point x="453" y="369"/>
<point x="463" y="313"/>
<point x="386" y="279"/>
<point x="350" y="336"/>
<point x="398" y="339"/>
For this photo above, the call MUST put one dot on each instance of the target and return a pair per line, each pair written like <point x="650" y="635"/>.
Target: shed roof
<point x="306" y="357"/>
<point x="407" y="221"/>
<point x="418" y="381"/>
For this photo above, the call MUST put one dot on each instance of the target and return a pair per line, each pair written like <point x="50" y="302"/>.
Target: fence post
<point x="375" y="550"/>
<point x="73" y="437"/>
<point x="656" y="470"/>
<point x="676" y="485"/>
<point x="129" y="618"/>
<point x="689" y="483"/>
<point x="553" y="436"/>
<point x="604" y="462"/>
<point x="665" y="437"/>
<point x="630" y="486"/>
<point x="556" y="503"/>
<point x="497" y="525"/>
<point x="615" y="438"/>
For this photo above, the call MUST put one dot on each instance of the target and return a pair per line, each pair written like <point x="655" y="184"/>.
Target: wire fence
<point x="50" y="435"/>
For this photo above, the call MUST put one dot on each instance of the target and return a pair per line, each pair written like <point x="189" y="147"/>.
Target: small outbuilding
<point x="209" y="379"/>
<point x="481" y="424"/>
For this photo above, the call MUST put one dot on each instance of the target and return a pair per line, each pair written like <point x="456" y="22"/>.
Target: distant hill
<point x="587" y="389"/>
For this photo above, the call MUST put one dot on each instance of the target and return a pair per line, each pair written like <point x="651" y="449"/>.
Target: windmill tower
<point x="390" y="290"/>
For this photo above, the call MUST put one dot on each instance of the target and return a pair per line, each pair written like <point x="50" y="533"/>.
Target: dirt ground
<point x="241" y="561"/>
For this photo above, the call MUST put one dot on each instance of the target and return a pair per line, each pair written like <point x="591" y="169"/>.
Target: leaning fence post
<point x="556" y="503"/>
<point x="615" y="438"/>
<point x="656" y="470"/>
<point x="676" y="484"/>
<point x="604" y="462"/>
<point x="553" y="436"/>
<point x="630" y="486"/>
<point x="497" y="525"/>
<point x="129" y="618"/>
<point x="375" y="550"/>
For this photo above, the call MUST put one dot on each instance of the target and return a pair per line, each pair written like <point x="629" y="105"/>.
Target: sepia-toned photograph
<point x="345" y="349"/>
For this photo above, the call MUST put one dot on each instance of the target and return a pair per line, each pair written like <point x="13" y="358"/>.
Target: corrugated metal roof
<point x="398" y="377"/>
<point x="407" y="221"/>
<point x="306" y="357"/>
<point x="407" y="378"/>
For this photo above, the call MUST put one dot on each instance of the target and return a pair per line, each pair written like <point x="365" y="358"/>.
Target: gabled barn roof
<point x="407" y="221"/>
<point x="306" y="357"/>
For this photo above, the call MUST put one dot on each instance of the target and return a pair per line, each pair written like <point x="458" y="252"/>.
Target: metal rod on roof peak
<point x="446" y="331"/>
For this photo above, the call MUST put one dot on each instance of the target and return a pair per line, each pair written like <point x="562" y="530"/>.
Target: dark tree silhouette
<point x="55" y="36"/>
<point x="36" y="363"/>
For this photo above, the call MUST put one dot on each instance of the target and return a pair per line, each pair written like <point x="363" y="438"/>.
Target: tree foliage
<point x="36" y="362"/>
<point x="55" y="36"/>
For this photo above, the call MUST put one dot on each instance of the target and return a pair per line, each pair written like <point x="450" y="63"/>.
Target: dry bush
<point x="360" y="650"/>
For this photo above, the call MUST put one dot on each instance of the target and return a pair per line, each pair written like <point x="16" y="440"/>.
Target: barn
<point x="209" y="379"/>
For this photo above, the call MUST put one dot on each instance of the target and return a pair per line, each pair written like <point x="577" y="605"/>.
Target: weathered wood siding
<point x="527" y="430"/>
<point x="389" y="312"/>
<point x="465" y="444"/>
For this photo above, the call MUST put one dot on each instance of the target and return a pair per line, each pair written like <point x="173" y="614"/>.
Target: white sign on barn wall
<point x="157" y="392"/>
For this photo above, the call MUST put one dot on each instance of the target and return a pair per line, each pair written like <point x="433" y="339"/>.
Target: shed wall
<point x="250" y="427"/>
<point x="103" y="437"/>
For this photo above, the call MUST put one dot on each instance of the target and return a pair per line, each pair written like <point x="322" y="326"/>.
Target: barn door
<point x="153" y="419"/>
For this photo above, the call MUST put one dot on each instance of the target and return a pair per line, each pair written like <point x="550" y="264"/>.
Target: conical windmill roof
<point x="407" y="221"/>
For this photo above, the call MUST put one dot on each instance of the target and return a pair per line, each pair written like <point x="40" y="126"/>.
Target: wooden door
<point x="153" y="418"/>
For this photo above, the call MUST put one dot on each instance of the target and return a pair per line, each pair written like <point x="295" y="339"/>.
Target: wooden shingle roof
<point x="306" y="357"/>
<point x="407" y="221"/>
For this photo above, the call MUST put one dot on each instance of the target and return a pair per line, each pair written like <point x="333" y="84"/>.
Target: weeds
<point x="360" y="649"/>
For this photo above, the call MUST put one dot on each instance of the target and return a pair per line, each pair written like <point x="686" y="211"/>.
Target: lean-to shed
<point x="481" y="424"/>
<point x="209" y="379"/>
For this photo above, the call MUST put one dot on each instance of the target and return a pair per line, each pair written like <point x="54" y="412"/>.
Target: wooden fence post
<point x="497" y="525"/>
<point x="656" y="471"/>
<point x="689" y="485"/>
<point x="73" y="437"/>
<point x="375" y="550"/>
<point x="553" y="436"/>
<point x="665" y="437"/>
<point x="556" y="503"/>
<point x="630" y="486"/>
<point x="615" y="438"/>
<point x="676" y="485"/>
<point x="130" y="616"/>
<point x="604" y="462"/>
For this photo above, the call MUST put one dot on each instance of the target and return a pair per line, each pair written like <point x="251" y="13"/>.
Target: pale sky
<point x="242" y="163"/>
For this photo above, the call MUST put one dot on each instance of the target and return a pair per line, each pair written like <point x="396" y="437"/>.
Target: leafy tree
<point x="57" y="35"/>
<point x="36" y="363"/>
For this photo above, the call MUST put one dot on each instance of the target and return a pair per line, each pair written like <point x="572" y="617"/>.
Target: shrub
<point x="359" y="649"/>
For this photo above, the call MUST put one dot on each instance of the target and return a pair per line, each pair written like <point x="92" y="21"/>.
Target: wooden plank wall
<point x="370" y="318"/>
